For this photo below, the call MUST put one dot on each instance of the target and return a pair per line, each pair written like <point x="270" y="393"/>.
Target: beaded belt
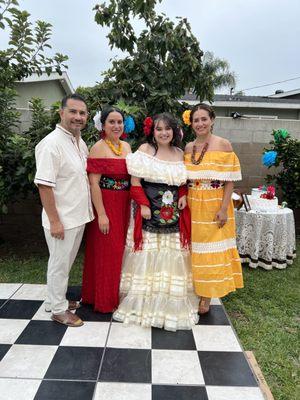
<point x="205" y="184"/>
<point x="114" y="184"/>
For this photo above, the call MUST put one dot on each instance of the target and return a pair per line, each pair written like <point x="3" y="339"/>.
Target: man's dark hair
<point x="73" y="96"/>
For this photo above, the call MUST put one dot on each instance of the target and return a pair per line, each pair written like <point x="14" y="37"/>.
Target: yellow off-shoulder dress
<point x="216" y="265"/>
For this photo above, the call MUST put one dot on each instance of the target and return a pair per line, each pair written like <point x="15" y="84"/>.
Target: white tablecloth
<point x="266" y="239"/>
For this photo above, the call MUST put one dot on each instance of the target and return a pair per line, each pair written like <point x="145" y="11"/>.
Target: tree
<point x="216" y="74"/>
<point x="25" y="55"/>
<point x="164" y="61"/>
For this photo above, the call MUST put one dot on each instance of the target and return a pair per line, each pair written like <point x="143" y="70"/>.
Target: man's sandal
<point x="73" y="305"/>
<point x="67" y="318"/>
<point x="204" y="305"/>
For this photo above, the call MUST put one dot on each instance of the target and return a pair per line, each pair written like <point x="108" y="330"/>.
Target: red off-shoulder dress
<point x="104" y="252"/>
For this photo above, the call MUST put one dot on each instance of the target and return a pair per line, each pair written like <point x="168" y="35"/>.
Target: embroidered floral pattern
<point x="168" y="213"/>
<point x="167" y="197"/>
<point x="113" y="184"/>
<point x="206" y="185"/>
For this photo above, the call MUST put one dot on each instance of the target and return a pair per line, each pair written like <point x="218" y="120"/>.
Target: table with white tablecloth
<point x="266" y="239"/>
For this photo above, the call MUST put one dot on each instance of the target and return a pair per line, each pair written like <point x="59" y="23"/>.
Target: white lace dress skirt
<point x="156" y="283"/>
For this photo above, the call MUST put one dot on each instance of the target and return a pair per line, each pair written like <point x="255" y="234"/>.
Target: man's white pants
<point x="62" y="254"/>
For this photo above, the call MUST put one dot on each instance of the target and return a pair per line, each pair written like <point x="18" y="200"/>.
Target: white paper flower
<point x="97" y="121"/>
<point x="167" y="197"/>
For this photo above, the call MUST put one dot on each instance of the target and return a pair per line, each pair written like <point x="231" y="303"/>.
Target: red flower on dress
<point x="166" y="212"/>
<point x="148" y="122"/>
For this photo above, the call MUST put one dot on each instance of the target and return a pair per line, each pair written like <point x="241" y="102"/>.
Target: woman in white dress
<point x="156" y="284"/>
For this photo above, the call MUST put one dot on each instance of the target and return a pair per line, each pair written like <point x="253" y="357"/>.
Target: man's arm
<point x="48" y="202"/>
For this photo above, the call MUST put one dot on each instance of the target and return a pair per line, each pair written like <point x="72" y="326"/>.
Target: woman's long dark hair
<point x="170" y="121"/>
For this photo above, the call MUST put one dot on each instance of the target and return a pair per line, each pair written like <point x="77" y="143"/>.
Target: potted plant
<point x="284" y="153"/>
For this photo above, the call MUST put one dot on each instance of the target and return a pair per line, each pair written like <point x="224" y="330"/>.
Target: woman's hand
<point x="146" y="212"/>
<point x="182" y="202"/>
<point x="221" y="218"/>
<point x="103" y="223"/>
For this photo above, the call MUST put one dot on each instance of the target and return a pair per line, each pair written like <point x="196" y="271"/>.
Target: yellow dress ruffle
<point x="216" y="264"/>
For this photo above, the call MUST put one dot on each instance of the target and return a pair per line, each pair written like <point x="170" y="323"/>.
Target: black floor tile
<point x="86" y="313"/>
<point x="75" y="363"/>
<point x="226" y="369"/>
<point x="20" y="309"/>
<point x="74" y="293"/>
<point x="58" y="390"/>
<point x="215" y="316"/>
<point x="2" y="301"/>
<point x="4" y="349"/>
<point x="179" y="340"/>
<point x="168" y="392"/>
<point x="42" y="332"/>
<point x="126" y="365"/>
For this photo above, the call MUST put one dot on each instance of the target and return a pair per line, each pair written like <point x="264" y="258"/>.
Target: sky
<point x="259" y="38"/>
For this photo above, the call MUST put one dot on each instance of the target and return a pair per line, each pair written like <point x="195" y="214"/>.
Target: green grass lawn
<point x="265" y="314"/>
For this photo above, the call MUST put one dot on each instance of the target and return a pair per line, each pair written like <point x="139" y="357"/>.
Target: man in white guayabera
<point x="65" y="194"/>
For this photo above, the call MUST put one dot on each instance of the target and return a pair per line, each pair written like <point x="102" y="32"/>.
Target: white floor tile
<point x="26" y="361"/>
<point x="129" y="336"/>
<point x="233" y="393"/>
<point x="118" y="391"/>
<point x="30" y="292"/>
<point x="18" y="389"/>
<point x="10" y="329"/>
<point x="8" y="289"/>
<point x="176" y="367"/>
<point x="42" y="315"/>
<point x="91" y="334"/>
<point x="215" y="338"/>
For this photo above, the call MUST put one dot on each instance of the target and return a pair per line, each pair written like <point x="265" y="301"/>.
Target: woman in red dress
<point x="105" y="236"/>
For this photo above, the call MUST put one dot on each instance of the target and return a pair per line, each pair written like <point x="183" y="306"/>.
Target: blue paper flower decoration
<point x="269" y="158"/>
<point x="129" y="124"/>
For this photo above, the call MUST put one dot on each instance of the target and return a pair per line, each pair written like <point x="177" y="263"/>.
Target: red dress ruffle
<point x="104" y="253"/>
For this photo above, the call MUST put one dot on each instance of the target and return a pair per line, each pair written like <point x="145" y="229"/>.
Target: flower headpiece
<point x="129" y="124"/>
<point x="186" y="117"/>
<point x="148" y="122"/>
<point x="97" y="121"/>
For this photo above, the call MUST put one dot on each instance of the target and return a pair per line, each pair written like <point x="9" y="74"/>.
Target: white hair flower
<point x="97" y="121"/>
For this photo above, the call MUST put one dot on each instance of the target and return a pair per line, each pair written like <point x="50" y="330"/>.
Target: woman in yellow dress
<point x="212" y="166"/>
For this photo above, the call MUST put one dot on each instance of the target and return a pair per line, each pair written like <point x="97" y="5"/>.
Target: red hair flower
<point x="148" y="122"/>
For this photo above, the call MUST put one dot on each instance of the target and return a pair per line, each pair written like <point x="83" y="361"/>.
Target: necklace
<point x="199" y="159"/>
<point x="117" y="150"/>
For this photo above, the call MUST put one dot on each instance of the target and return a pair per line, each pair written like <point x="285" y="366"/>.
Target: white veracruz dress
<point x="156" y="283"/>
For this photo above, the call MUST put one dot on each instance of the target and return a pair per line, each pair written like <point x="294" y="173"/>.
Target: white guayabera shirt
<point x="61" y="164"/>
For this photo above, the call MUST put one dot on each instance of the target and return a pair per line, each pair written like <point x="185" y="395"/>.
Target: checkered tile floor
<point x="104" y="360"/>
